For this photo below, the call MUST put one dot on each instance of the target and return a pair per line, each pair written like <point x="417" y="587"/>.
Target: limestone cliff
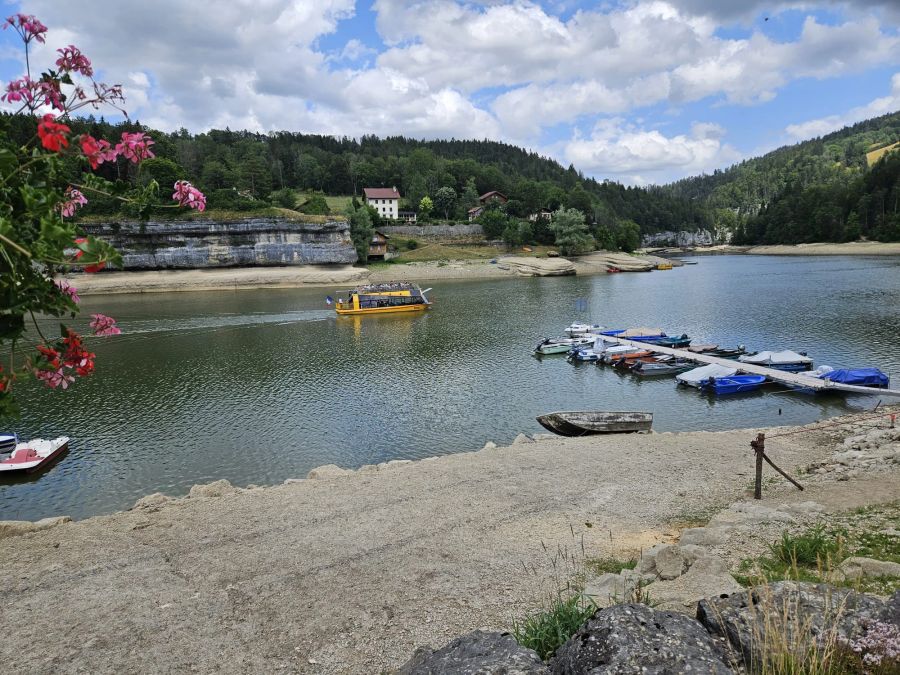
<point x="251" y="241"/>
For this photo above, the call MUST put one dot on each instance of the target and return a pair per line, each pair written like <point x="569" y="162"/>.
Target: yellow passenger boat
<point x="383" y="298"/>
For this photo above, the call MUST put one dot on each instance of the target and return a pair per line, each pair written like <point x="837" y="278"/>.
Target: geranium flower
<point x="68" y="289"/>
<point x="73" y="203"/>
<point x="27" y="26"/>
<point x="72" y="59"/>
<point x="55" y="378"/>
<point x="93" y="267"/>
<point x="187" y="195"/>
<point x="135" y="147"/>
<point x="104" y="325"/>
<point x="52" y="134"/>
<point x="96" y="151"/>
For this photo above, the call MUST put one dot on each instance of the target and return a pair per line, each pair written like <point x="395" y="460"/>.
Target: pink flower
<point x="54" y="378"/>
<point x="27" y="26"/>
<point x="135" y="147"/>
<point x="68" y="289"/>
<point x="104" y="325"/>
<point x="75" y="201"/>
<point x="72" y="59"/>
<point x="20" y="89"/>
<point x="96" y="151"/>
<point x="187" y="195"/>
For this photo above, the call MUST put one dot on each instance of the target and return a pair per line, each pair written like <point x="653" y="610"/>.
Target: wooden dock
<point x="791" y="379"/>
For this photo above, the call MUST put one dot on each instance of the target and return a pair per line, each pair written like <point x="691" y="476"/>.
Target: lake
<point x="257" y="386"/>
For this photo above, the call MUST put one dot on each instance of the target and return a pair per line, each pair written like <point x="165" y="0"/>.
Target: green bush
<point x="316" y="205"/>
<point x="808" y="549"/>
<point x="285" y="198"/>
<point x="229" y="200"/>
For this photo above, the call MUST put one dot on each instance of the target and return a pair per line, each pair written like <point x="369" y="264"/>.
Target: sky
<point x="637" y="91"/>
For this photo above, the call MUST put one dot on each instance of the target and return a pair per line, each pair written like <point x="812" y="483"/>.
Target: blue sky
<point x="640" y="91"/>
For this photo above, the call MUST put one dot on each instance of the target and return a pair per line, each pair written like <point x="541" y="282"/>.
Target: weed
<point x="813" y="547"/>
<point x="598" y="566"/>
<point x="547" y="630"/>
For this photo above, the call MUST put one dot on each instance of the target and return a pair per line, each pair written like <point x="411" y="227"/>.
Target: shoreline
<point x="313" y="276"/>
<point x="349" y="571"/>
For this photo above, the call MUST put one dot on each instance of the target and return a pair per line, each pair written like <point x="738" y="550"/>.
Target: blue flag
<point x="328" y="300"/>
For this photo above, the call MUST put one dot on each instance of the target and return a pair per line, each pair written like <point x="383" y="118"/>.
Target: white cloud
<point x="626" y="151"/>
<point x="824" y="125"/>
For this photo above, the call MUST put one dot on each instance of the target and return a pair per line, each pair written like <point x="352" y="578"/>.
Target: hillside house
<point x="493" y="196"/>
<point x="384" y="200"/>
<point x="474" y="212"/>
<point x="543" y="214"/>
<point x="378" y="245"/>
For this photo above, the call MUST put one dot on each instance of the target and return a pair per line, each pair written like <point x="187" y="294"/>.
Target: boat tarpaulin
<point x="703" y="373"/>
<point x="767" y="358"/>
<point x="864" y="377"/>
<point x="643" y="331"/>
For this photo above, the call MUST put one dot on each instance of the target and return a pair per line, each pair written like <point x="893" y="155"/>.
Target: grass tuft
<point x="547" y="630"/>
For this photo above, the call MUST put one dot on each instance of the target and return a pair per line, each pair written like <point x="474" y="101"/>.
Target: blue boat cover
<point x="865" y="377"/>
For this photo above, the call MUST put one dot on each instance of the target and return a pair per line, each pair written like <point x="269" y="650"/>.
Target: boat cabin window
<point x="372" y="301"/>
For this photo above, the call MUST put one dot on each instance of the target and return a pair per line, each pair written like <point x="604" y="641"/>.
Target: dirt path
<point x="349" y="574"/>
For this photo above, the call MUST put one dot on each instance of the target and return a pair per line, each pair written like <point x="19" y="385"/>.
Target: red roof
<point x="381" y="193"/>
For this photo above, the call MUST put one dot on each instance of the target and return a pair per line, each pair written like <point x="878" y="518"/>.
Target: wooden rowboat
<point x="586" y="422"/>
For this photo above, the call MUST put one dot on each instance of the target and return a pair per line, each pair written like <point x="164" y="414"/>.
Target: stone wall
<point x="461" y="231"/>
<point x="681" y="238"/>
<point x="256" y="241"/>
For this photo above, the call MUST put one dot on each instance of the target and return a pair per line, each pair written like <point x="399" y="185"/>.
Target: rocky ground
<point x="349" y="572"/>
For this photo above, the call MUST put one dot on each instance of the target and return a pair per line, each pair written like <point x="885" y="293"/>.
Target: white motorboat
<point x="580" y="329"/>
<point x="33" y="455"/>
<point x="698" y="377"/>
<point x="561" y="345"/>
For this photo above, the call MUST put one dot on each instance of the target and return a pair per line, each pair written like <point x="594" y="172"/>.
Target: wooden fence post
<point x="759" y="446"/>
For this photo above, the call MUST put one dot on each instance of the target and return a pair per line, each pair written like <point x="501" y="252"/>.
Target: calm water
<point x="259" y="386"/>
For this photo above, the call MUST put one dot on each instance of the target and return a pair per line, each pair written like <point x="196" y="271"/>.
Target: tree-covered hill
<point x="817" y="190"/>
<point x="237" y="169"/>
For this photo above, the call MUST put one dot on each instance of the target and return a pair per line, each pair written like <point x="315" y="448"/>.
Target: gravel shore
<point x="348" y="572"/>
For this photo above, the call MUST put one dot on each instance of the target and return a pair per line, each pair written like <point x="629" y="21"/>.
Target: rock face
<point x="243" y="242"/>
<point x="623" y="261"/>
<point x="681" y="238"/>
<point x="537" y="267"/>
<point x="477" y="653"/>
<point x="443" y="232"/>
<point x="788" y="607"/>
<point x="638" y="639"/>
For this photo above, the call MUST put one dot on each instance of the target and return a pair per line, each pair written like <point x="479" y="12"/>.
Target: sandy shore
<point x="850" y="248"/>
<point x="348" y="572"/>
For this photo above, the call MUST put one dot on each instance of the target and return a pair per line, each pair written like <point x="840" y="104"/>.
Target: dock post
<point x="759" y="446"/>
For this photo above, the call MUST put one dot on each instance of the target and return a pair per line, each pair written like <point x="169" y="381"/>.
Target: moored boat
<point x="34" y="455"/>
<point x="786" y="360"/>
<point x="734" y="384"/>
<point x="864" y="377"/>
<point x="581" y="329"/>
<point x="382" y="298"/>
<point x="8" y="442"/>
<point x="561" y="345"/>
<point x="586" y="422"/>
<point x="643" y="368"/>
<point x="699" y="376"/>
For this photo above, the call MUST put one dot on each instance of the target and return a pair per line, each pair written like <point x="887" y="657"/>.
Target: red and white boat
<point x="34" y="455"/>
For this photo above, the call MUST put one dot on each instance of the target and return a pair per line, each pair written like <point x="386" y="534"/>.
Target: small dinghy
<point x="586" y="422"/>
<point x="735" y="384"/>
<point x="8" y="443"/>
<point x="581" y="329"/>
<point x="864" y="377"/>
<point x="561" y="345"/>
<point x="643" y="368"/>
<point x="699" y="376"/>
<point x="33" y="455"/>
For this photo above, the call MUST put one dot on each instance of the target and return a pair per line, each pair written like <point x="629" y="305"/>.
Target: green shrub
<point x="809" y="549"/>
<point x="285" y="198"/>
<point x="316" y="205"/>
<point x="229" y="200"/>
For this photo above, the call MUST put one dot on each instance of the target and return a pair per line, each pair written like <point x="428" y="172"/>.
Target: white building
<point x="384" y="200"/>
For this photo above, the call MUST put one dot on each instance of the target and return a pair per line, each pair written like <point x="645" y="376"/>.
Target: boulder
<point x="787" y="607"/>
<point x="476" y="653"/>
<point x="328" y="471"/>
<point x="610" y="589"/>
<point x="705" y="536"/>
<point x="218" y="488"/>
<point x="13" y="528"/>
<point x="707" y="577"/>
<point x="522" y="438"/>
<point x="670" y="563"/>
<point x="637" y="639"/>
<point x="151" y="502"/>
<point x="490" y="445"/>
<point x="647" y="562"/>
<point x="857" y="567"/>
<point x="538" y="267"/>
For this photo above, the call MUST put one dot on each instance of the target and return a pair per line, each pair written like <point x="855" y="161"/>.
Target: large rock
<point x="857" y="567"/>
<point x="328" y="471"/>
<point x="152" y="502"/>
<point x="218" y="488"/>
<point x="477" y="653"/>
<point x="746" y="619"/>
<point x="638" y="639"/>
<point x="707" y="577"/>
<point x="623" y="261"/>
<point x="705" y="536"/>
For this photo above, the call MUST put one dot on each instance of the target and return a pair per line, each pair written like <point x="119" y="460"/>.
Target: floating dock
<point x="791" y="379"/>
